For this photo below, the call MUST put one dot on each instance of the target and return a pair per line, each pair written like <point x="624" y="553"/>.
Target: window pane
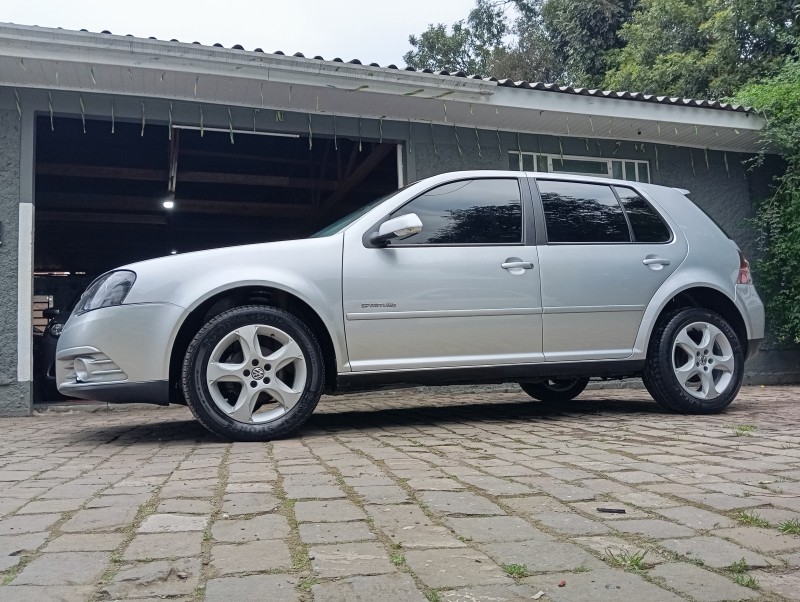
<point x="541" y="162"/>
<point x="576" y="212"/>
<point x="513" y="161"/>
<point x="644" y="173"/>
<point x="630" y="171"/>
<point x="646" y="223"/>
<point x="581" y="166"/>
<point x="617" y="167"/>
<point x="527" y="162"/>
<point x="468" y="212"/>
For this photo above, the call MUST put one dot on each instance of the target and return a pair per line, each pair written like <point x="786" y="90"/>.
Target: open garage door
<point x="100" y="196"/>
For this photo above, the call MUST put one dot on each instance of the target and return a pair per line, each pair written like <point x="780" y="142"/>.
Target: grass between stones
<point x="517" y="571"/>
<point x="751" y="517"/>
<point x="790" y="527"/>
<point x="626" y="560"/>
<point x="739" y="576"/>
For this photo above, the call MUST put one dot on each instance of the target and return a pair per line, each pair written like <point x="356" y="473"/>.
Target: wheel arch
<point x="704" y="297"/>
<point x="248" y="295"/>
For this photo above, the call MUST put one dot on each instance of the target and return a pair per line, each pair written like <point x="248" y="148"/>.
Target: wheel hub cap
<point x="702" y="360"/>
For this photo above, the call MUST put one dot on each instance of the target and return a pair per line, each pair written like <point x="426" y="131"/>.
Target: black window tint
<point x="647" y="225"/>
<point x="576" y="212"/>
<point x="468" y="212"/>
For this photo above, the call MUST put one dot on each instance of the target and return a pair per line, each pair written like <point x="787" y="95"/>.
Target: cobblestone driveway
<point x="409" y="496"/>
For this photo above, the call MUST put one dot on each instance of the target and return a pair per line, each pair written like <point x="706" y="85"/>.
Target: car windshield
<point x="348" y="219"/>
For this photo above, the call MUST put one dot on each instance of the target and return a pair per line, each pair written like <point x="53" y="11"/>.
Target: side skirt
<point x="364" y="381"/>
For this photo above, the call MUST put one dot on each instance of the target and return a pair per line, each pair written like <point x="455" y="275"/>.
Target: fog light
<point x="81" y="370"/>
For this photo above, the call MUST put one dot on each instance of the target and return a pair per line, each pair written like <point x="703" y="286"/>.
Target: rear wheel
<point x="253" y="373"/>
<point x="555" y="390"/>
<point x="695" y="362"/>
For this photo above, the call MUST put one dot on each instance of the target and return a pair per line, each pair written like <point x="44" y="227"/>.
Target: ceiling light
<point x="169" y="204"/>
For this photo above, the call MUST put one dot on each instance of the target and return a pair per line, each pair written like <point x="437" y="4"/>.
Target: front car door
<point x="605" y="253"/>
<point x="463" y="292"/>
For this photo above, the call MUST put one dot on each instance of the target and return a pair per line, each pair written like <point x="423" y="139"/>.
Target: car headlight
<point x="109" y="289"/>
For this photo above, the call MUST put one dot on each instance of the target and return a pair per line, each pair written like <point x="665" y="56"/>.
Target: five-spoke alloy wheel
<point x="253" y="373"/>
<point x="695" y="362"/>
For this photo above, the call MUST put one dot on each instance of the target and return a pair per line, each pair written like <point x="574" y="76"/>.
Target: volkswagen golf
<point x="471" y="277"/>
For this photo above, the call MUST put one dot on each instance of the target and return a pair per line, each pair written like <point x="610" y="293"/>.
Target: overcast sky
<point x="372" y="31"/>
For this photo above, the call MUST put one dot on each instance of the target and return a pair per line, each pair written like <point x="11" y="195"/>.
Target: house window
<point x="633" y="171"/>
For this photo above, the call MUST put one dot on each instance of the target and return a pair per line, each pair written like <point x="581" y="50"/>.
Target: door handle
<point x="510" y="265"/>
<point x="655" y="261"/>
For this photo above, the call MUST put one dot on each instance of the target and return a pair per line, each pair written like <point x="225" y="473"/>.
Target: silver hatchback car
<point x="477" y="276"/>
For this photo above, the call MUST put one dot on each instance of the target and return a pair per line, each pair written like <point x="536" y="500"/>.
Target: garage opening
<point x="105" y="198"/>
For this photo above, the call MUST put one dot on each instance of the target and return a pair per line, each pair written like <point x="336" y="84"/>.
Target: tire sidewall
<point x="195" y="365"/>
<point x="659" y="374"/>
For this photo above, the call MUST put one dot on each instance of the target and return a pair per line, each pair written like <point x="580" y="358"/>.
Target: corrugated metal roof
<point x="507" y="83"/>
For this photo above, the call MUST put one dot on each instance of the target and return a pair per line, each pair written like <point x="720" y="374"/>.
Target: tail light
<point x="745" y="277"/>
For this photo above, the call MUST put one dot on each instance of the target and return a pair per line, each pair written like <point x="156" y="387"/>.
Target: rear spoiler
<point x="683" y="191"/>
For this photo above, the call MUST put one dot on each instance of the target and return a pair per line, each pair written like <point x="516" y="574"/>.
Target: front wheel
<point x="695" y="362"/>
<point x="555" y="390"/>
<point x="253" y="373"/>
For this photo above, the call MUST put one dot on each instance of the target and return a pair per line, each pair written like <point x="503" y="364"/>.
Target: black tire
<point x="210" y="403"/>
<point x="553" y="390"/>
<point x="666" y="357"/>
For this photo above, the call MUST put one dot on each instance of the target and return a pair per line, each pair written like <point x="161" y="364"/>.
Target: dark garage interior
<point x="100" y="195"/>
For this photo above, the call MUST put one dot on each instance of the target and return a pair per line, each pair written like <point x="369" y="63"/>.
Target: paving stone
<point x="602" y="585"/>
<point x="63" y="568"/>
<point x="606" y="545"/>
<point x="644" y="499"/>
<point x="591" y="508"/>
<point x="47" y="506"/>
<point x="254" y="556"/>
<point x="16" y="525"/>
<point x="85" y="542"/>
<point x="156" y="579"/>
<point x="185" y="506"/>
<point x="407" y="525"/>
<point x="126" y="501"/>
<point x="496" y="486"/>
<point x="37" y="593"/>
<point x="311" y="533"/>
<point x="399" y="587"/>
<point x="172" y="523"/>
<point x="541" y="556"/>
<point x="655" y="528"/>
<point x="696" y="518"/>
<point x="266" y="527"/>
<point x="311" y="491"/>
<point x="782" y="584"/>
<point x="762" y="540"/>
<point x="571" y="524"/>
<point x="237" y="504"/>
<point x="722" y="501"/>
<point x="459" y="502"/>
<point x="164" y="545"/>
<point x="491" y="593"/>
<point x="534" y="505"/>
<point x="495" y="529"/>
<point x="346" y="559"/>
<point x="454" y="568"/>
<point x="714" y="552"/>
<point x="253" y="588"/>
<point x="100" y="519"/>
<point x="382" y="494"/>
<point x="333" y="511"/>
<point x="566" y="492"/>
<point x="265" y="487"/>
<point x="701" y="584"/>
<point x="14" y="547"/>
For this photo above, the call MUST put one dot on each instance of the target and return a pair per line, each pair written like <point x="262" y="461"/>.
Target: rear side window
<point x="646" y="223"/>
<point x="577" y="212"/>
<point x="486" y="211"/>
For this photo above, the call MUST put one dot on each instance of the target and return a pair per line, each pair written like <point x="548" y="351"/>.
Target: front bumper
<point x="119" y="353"/>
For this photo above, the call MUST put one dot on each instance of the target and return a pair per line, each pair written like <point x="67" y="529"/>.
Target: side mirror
<point x="50" y="312"/>
<point x="397" y="227"/>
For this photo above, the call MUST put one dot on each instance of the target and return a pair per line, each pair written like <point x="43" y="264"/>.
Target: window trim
<point x="649" y="204"/>
<point x="528" y="220"/>
<point x="608" y="161"/>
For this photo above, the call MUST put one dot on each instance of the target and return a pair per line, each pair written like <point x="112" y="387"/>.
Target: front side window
<point x="486" y="211"/>
<point x="575" y="212"/>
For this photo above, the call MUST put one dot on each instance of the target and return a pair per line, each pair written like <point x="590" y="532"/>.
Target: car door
<point x="462" y="292"/>
<point x="605" y="253"/>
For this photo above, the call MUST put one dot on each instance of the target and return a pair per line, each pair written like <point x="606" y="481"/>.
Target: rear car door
<point x="463" y="292"/>
<point x="605" y="251"/>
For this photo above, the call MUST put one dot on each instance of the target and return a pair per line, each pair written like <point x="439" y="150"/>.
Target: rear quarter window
<point x="646" y="223"/>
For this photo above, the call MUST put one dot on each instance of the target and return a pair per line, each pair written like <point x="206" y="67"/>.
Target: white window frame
<point x="609" y="163"/>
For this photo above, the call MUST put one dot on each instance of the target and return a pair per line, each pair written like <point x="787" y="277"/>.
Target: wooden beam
<point x="379" y="152"/>
<point x="91" y="216"/>
<point x="71" y="170"/>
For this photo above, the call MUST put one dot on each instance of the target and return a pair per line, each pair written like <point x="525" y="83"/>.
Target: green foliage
<point x="751" y="517"/>
<point x="518" y="571"/>
<point x="778" y="218"/>
<point x="626" y="560"/>
<point x="790" y="527"/>
<point x="701" y="49"/>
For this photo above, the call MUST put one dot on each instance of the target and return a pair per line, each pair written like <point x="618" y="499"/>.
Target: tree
<point x="778" y="217"/>
<point x="707" y="48"/>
